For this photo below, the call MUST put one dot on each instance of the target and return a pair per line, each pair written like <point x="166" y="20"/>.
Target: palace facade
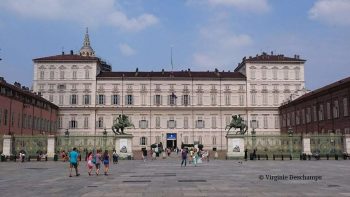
<point x="170" y="107"/>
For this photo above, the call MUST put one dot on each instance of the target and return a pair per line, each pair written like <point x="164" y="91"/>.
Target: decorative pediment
<point x="75" y="67"/>
<point x="42" y="67"/>
<point x="52" y="67"/>
<point x="62" y="67"/>
<point x="87" y="67"/>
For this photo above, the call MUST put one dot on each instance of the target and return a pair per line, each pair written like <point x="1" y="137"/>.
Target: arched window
<point x="263" y="72"/>
<point x="297" y="73"/>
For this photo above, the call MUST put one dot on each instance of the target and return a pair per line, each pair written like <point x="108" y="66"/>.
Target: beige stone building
<point x="169" y="107"/>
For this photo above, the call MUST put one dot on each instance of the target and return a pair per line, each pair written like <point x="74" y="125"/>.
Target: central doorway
<point x="171" y="140"/>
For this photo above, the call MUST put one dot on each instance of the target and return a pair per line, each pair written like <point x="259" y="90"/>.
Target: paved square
<point x="167" y="178"/>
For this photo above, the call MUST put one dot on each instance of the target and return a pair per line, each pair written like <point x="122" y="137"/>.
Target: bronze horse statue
<point x="237" y="122"/>
<point x="121" y="123"/>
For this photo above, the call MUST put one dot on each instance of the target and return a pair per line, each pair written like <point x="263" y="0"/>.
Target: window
<point x="328" y="110"/>
<point x="60" y="122"/>
<point x="60" y="99"/>
<point x="157" y="122"/>
<point x="73" y="124"/>
<point x="252" y="73"/>
<point x="115" y="99"/>
<point x="266" y="123"/>
<point x="143" y="87"/>
<point x="308" y="115"/>
<point x="129" y="100"/>
<point x="213" y="122"/>
<point x="200" y="98"/>
<point x="101" y="99"/>
<point x="336" y="109"/>
<point x="51" y="98"/>
<point x="86" y="122"/>
<point x="52" y="74"/>
<point x="345" y="106"/>
<point x="74" y="74"/>
<point x="143" y="99"/>
<point x="263" y="73"/>
<point x="213" y="99"/>
<point x="42" y="74"/>
<point x="186" y="100"/>
<point x="227" y="120"/>
<point x="157" y="139"/>
<point x="61" y="74"/>
<point x="73" y="99"/>
<point x="186" y="139"/>
<point x="277" y="122"/>
<point x="172" y="99"/>
<point x="274" y="73"/>
<point x="286" y="73"/>
<point x="157" y="99"/>
<point x="314" y="113"/>
<point x="87" y="99"/>
<point x="264" y="98"/>
<point x="275" y="98"/>
<point x="200" y="141"/>
<point x="253" y="95"/>
<point x="200" y="123"/>
<point x="143" y="141"/>
<point x="100" y="122"/>
<point x="24" y="122"/>
<point x="5" y="117"/>
<point x="302" y="116"/>
<point x="297" y="73"/>
<point x="241" y="100"/>
<point x="214" y="140"/>
<point x="227" y="99"/>
<point x="87" y="75"/>
<point x="185" y="122"/>
<point x="320" y="113"/>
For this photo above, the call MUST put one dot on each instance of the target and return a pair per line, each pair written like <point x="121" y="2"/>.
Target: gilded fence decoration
<point x="31" y="145"/>
<point x="327" y="144"/>
<point x="67" y="143"/>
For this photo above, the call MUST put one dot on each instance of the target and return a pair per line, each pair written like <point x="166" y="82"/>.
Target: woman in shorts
<point x="90" y="164"/>
<point x="106" y="162"/>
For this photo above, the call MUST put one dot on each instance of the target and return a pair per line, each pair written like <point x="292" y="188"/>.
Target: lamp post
<point x="66" y="133"/>
<point x="104" y="137"/>
<point x="254" y="124"/>
<point x="290" y="134"/>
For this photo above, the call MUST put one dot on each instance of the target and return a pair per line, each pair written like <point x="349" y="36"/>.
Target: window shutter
<point x="189" y="100"/>
<point x="70" y="99"/>
<point x="154" y="100"/>
<point x="161" y="98"/>
<point x="169" y="99"/>
<point x="77" y="99"/>
<point x="96" y="101"/>
<point x="174" y="123"/>
<point x="126" y="99"/>
<point x="140" y="126"/>
<point x="196" y="124"/>
<point x="203" y="123"/>
<point x="167" y="123"/>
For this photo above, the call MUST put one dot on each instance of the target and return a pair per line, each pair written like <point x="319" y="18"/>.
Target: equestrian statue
<point x="237" y="122"/>
<point x="120" y="123"/>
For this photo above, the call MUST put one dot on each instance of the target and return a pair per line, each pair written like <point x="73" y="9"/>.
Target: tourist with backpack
<point x="97" y="161"/>
<point x="90" y="163"/>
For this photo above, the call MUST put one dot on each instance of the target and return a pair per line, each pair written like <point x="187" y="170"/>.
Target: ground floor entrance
<point x="171" y="140"/>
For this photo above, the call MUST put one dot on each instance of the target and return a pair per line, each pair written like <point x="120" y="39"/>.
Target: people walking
<point x="106" y="162"/>
<point x="97" y="160"/>
<point x="115" y="157"/>
<point x="73" y="162"/>
<point x="90" y="164"/>
<point x="144" y="154"/>
<point x="184" y="157"/>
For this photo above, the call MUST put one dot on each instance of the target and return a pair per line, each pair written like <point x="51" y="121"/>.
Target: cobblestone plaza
<point x="165" y="177"/>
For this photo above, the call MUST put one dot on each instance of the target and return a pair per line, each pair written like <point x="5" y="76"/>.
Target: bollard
<point x="258" y="157"/>
<point x="267" y="157"/>
<point x="290" y="157"/>
<point x="336" y="156"/>
<point x="273" y="156"/>
<point x="282" y="157"/>
<point x="327" y="157"/>
<point x="309" y="156"/>
<point x="29" y="158"/>
<point x="55" y="157"/>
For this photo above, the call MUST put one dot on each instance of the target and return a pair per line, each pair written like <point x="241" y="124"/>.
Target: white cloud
<point x="217" y="46"/>
<point x="126" y="50"/>
<point x="85" y="12"/>
<point x="257" y="6"/>
<point x="333" y="12"/>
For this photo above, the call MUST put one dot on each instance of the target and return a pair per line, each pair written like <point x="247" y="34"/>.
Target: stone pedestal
<point x="50" y="146"/>
<point x="235" y="146"/>
<point x="347" y="143"/>
<point x="123" y="146"/>
<point x="7" y="145"/>
<point x="306" y="145"/>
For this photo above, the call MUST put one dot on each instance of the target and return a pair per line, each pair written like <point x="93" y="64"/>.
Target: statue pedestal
<point x="123" y="146"/>
<point x="50" y="146"/>
<point x="7" y="145"/>
<point x="306" y="145"/>
<point x="347" y="143"/>
<point x="235" y="146"/>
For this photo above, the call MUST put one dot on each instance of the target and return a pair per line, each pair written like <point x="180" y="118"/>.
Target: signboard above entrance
<point x="171" y="136"/>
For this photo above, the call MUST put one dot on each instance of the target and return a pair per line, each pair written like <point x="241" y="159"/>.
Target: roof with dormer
<point x="270" y="59"/>
<point x="66" y="57"/>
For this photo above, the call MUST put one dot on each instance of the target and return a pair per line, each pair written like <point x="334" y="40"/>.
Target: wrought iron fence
<point x="32" y="145"/>
<point x="1" y="143"/>
<point x="273" y="145"/>
<point x="327" y="144"/>
<point x="84" y="143"/>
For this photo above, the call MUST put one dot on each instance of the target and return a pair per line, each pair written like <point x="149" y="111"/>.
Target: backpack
<point x="94" y="159"/>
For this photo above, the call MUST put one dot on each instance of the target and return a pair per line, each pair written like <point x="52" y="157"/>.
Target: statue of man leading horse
<point x="237" y="123"/>
<point x="121" y="123"/>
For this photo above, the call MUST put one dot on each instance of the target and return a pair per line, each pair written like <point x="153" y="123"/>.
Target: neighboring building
<point x="169" y="107"/>
<point x="322" y="111"/>
<point x="25" y="113"/>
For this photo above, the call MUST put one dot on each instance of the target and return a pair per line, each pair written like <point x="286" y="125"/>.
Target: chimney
<point x="71" y="52"/>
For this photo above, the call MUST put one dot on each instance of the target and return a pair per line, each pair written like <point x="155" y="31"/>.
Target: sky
<point x="203" y="34"/>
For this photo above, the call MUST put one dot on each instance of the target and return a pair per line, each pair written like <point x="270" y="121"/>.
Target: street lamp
<point x="254" y="124"/>
<point x="66" y="133"/>
<point x="290" y="134"/>
<point x="104" y="132"/>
